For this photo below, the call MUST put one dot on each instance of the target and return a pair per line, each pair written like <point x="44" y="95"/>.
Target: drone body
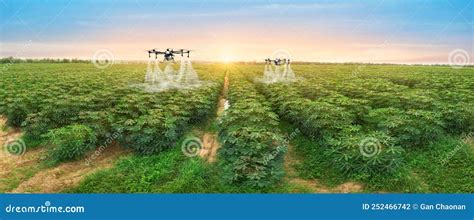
<point x="168" y="53"/>
<point x="277" y="61"/>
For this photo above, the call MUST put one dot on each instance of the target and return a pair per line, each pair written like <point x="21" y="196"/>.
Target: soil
<point x="314" y="185"/>
<point x="209" y="139"/>
<point x="209" y="148"/>
<point x="46" y="180"/>
<point x="13" y="167"/>
<point x="69" y="174"/>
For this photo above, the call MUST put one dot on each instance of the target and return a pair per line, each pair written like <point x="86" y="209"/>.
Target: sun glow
<point x="227" y="59"/>
<point x="227" y="54"/>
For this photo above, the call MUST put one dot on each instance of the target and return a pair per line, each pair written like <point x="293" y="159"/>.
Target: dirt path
<point x="69" y="174"/>
<point x="291" y="160"/>
<point x="8" y="161"/>
<point x="209" y="139"/>
<point x="222" y="100"/>
<point x="24" y="173"/>
<point x="209" y="149"/>
<point x="15" y="168"/>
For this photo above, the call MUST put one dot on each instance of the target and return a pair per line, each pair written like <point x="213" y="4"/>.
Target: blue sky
<point x="419" y="31"/>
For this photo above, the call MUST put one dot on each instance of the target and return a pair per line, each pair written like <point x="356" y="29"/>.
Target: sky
<point x="393" y="31"/>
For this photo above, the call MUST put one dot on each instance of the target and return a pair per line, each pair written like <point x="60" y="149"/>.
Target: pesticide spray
<point x="157" y="80"/>
<point x="158" y="74"/>
<point x="149" y="73"/>
<point x="278" y="70"/>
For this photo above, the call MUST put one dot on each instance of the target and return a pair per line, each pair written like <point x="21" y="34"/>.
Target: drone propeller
<point x="169" y="52"/>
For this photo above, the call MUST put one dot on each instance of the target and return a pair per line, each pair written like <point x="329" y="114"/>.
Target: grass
<point x="155" y="173"/>
<point x="445" y="166"/>
<point x="313" y="163"/>
<point x="168" y="172"/>
<point x="18" y="176"/>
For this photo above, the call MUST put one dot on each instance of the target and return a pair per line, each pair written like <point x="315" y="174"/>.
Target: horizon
<point x="117" y="61"/>
<point x="344" y="31"/>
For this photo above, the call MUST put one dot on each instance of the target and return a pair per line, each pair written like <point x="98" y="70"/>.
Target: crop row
<point x="361" y="95"/>
<point x="334" y="127"/>
<point x="79" y="99"/>
<point x="252" y="146"/>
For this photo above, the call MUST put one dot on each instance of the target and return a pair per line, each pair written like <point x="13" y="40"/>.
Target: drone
<point x="277" y="61"/>
<point x="168" y="53"/>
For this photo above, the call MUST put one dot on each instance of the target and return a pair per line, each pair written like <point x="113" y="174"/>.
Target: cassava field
<point x="338" y="128"/>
